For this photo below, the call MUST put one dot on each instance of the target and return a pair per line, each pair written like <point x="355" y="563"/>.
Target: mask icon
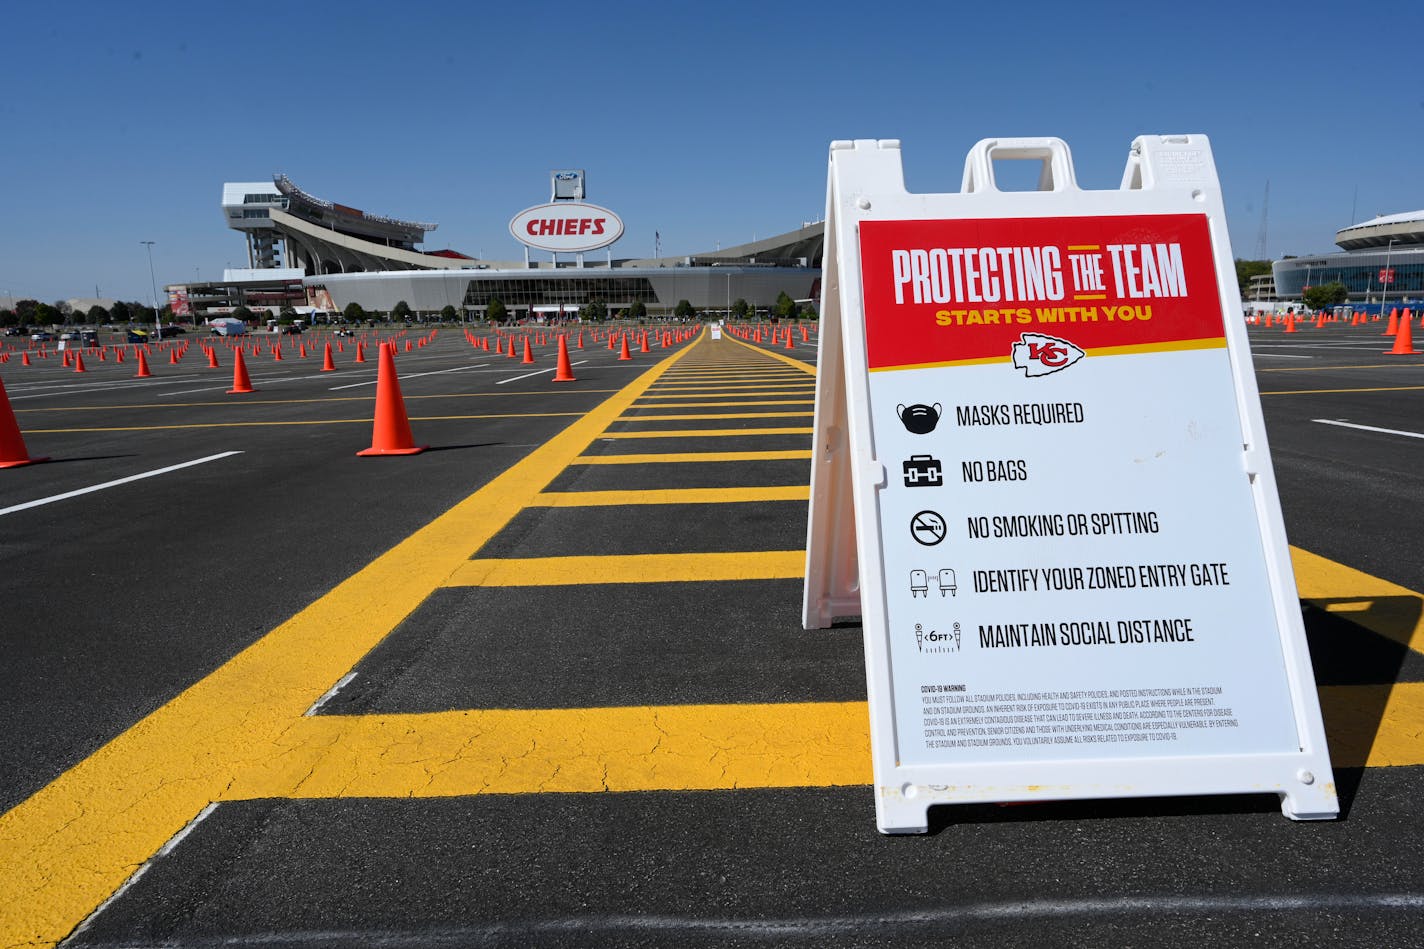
<point x="919" y="419"/>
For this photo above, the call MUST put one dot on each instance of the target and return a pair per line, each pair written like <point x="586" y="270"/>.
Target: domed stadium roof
<point x="1404" y="228"/>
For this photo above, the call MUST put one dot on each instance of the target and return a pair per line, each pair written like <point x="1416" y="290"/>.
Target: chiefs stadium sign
<point x="566" y="227"/>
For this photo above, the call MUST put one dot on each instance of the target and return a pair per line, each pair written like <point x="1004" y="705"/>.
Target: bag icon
<point x="923" y="471"/>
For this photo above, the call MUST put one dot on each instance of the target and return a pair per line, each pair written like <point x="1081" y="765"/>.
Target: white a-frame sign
<point x="1041" y="479"/>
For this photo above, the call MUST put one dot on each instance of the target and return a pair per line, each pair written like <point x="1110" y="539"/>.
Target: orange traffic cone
<point x="240" y="382"/>
<point x="644" y="347"/>
<point x="1393" y="323"/>
<point x="143" y="372"/>
<point x="213" y="358"/>
<point x="1403" y="338"/>
<point x="360" y="353"/>
<point x="326" y="364"/>
<point x="391" y="433"/>
<point x="12" y="443"/>
<point x="509" y="350"/>
<point x="580" y="340"/>
<point x="24" y="359"/>
<point x="79" y="363"/>
<point x="624" y="354"/>
<point x="1290" y="324"/>
<point x="528" y="353"/>
<point x="565" y="372"/>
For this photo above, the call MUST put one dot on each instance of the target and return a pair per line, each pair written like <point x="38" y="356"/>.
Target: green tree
<point x="448" y="314"/>
<point x="286" y="316"/>
<point x="495" y="310"/>
<point x="1325" y="295"/>
<point x="1246" y="269"/>
<point x="46" y="315"/>
<point x="400" y="311"/>
<point x="785" y="306"/>
<point x="684" y="310"/>
<point x="25" y="309"/>
<point x="119" y="312"/>
<point x="637" y="311"/>
<point x="97" y="314"/>
<point x="9" y="318"/>
<point x="353" y="312"/>
<point x="808" y="312"/>
<point x="242" y="313"/>
<point x="594" y="311"/>
<point x="739" y="309"/>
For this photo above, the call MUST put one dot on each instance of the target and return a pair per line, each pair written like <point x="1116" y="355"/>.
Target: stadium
<point x="316" y="255"/>
<point x="1382" y="263"/>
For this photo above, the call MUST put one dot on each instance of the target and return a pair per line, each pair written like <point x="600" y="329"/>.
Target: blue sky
<point x="707" y="123"/>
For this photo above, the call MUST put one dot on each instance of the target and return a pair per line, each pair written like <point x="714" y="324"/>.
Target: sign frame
<point x="845" y="570"/>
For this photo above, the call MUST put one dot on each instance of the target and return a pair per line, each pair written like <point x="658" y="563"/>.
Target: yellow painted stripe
<point x="641" y="404"/>
<point x="732" y="388"/>
<point x="709" y="433"/>
<point x="805" y="367"/>
<point x="796" y="454"/>
<point x="630" y="568"/>
<point x="794" y="492"/>
<point x="1378" y="365"/>
<point x="1332" y="391"/>
<point x="73" y="843"/>
<point x="1376" y="604"/>
<point x="671" y="747"/>
<point x="1374" y="726"/>
<point x="333" y="421"/>
<point x="724" y="415"/>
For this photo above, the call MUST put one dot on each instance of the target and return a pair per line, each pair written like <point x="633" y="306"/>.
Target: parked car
<point x="42" y="336"/>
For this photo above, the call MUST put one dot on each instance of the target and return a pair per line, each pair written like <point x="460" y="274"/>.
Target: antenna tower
<point x="1265" y="218"/>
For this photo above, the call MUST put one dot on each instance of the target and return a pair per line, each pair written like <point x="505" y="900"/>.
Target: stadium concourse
<point x="546" y="683"/>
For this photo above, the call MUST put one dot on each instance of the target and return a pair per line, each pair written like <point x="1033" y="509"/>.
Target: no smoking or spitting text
<point x="1053" y="399"/>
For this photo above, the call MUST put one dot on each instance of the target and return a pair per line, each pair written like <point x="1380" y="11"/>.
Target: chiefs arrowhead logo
<point x="1039" y="355"/>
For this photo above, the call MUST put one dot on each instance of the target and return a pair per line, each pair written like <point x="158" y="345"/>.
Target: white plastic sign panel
<point x="1074" y="581"/>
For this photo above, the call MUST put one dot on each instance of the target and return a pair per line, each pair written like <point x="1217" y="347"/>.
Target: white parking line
<point x="111" y="484"/>
<point x="1363" y="428"/>
<point x="538" y="373"/>
<point x="415" y="375"/>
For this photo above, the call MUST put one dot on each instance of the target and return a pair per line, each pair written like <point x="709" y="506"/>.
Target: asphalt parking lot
<point x="546" y="683"/>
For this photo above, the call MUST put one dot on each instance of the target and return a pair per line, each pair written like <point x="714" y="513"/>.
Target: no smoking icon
<point x="927" y="527"/>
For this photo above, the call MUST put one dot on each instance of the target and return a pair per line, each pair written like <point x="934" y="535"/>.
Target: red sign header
<point x="962" y="291"/>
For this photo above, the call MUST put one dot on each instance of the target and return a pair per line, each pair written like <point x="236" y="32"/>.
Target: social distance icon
<point x="919" y="419"/>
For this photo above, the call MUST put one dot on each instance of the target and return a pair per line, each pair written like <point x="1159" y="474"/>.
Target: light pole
<point x="153" y="286"/>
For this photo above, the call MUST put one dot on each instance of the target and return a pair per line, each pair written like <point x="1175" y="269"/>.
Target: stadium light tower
<point x="153" y="287"/>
